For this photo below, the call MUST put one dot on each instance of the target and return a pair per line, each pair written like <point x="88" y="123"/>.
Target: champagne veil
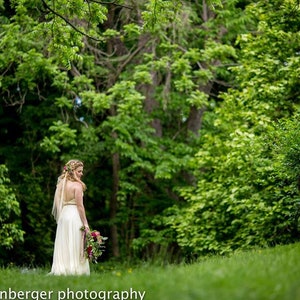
<point x="59" y="197"/>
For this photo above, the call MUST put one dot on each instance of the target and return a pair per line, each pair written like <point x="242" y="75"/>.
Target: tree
<point x="243" y="197"/>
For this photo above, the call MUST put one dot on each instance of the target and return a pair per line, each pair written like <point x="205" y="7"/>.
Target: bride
<point x="69" y="213"/>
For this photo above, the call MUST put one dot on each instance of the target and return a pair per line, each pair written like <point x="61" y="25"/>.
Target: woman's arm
<point x="79" y="203"/>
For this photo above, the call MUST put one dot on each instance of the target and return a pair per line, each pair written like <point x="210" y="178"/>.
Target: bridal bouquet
<point x="93" y="244"/>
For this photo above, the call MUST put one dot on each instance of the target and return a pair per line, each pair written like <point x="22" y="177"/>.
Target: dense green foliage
<point x="244" y="196"/>
<point x="184" y="112"/>
<point x="10" y="232"/>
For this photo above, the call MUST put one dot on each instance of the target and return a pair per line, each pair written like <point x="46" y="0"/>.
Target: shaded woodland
<point x="185" y="114"/>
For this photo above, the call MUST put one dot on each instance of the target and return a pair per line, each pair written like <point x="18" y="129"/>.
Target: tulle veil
<point x="59" y="197"/>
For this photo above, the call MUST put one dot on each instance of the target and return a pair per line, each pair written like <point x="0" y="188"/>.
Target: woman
<point x="69" y="212"/>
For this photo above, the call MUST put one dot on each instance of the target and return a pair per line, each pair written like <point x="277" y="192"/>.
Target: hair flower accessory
<point x="93" y="244"/>
<point x="67" y="168"/>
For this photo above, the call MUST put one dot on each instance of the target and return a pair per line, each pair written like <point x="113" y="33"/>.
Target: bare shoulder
<point x="77" y="186"/>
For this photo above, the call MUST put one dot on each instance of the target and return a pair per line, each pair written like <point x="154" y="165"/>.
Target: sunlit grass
<point x="262" y="274"/>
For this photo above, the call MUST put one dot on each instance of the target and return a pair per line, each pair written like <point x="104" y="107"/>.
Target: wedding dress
<point x="68" y="256"/>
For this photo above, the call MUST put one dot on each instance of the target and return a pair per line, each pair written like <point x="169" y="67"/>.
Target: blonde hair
<point x="68" y="171"/>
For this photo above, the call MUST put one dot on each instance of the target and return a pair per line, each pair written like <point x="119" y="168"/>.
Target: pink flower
<point x="89" y="250"/>
<point x="96" y="236"/>
<point x="95" y="233"/>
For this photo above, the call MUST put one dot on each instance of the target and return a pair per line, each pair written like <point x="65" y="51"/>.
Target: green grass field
<point x="261" y="274"/>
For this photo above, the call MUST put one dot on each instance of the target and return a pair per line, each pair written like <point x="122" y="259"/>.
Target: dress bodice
<point x="71" y="202"/>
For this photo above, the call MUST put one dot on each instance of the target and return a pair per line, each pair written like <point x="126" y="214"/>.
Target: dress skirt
<point x="68" y="256"/>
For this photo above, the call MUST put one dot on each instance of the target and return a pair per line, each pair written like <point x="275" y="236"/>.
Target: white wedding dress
<point x="68" y="257"/>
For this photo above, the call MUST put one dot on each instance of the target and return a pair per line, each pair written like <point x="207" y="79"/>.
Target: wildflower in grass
<point x="93" y="244"/>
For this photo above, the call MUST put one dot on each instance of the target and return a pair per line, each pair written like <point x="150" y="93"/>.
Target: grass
<point x="261" y="274"/>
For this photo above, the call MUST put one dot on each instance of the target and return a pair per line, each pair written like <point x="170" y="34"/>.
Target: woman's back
<point x="70" y="188"/>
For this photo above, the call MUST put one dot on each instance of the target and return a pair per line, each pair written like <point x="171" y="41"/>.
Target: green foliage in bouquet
<point x="93" y="244"/>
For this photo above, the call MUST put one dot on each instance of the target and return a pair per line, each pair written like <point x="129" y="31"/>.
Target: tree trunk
<point x="195" y="119"/>
<point x="113" y="205"/>
<point x="150" y="103"/>
<point x="196" y="115"/>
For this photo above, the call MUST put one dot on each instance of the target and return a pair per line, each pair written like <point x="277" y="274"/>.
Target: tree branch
<point x="113" y="3"/>
<point x="68" y="22"/>
<point x="131" y="56"/>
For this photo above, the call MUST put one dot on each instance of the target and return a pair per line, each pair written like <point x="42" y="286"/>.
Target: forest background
<point x="185" y="114"/>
